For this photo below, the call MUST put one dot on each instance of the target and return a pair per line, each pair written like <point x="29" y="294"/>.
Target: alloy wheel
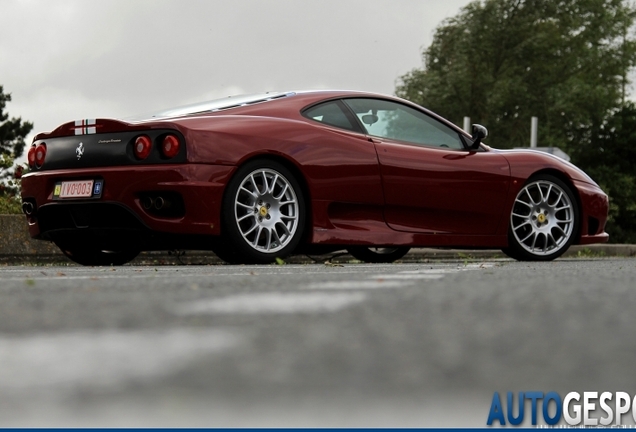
<point x="266" y="210"/>
<point x="543" y="218"/>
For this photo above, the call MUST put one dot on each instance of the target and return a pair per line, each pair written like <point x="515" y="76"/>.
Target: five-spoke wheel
<point x="263" y="212"/>
<point x="543" y="221"/>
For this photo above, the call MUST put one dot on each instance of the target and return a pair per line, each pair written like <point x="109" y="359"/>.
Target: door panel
<point x="439" y="190"/>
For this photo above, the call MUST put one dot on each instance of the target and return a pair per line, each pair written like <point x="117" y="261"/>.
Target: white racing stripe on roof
<point x="273" y="302"/>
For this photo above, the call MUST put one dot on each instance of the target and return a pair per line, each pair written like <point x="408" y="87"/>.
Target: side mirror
<point x="479" y="133"/>
<point x="369" y="119"/>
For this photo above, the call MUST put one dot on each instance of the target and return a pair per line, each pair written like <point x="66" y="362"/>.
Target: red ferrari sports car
<point x="263" y="176"/>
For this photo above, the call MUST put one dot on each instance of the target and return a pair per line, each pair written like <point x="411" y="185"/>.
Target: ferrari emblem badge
<point x="79" y="151"/>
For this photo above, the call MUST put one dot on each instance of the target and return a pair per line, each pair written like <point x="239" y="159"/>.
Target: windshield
<point x="212" y="106"/>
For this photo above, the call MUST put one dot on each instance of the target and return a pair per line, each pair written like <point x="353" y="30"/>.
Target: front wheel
<point x="544" y="220"/>
<point x="263" y="213"/>
<point x="377" y="255"/>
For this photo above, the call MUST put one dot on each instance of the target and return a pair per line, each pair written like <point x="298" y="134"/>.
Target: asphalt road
<point x="308" y="345"/>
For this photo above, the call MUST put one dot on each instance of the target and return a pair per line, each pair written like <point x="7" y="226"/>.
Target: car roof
<point x="243" y="100"/>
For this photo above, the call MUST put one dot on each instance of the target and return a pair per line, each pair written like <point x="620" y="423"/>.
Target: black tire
<point x="377" y="255"/>
<point x="544" y="220"/>
<point x="263" y="214"/>
<point x="87" y="256"/>
<point x="226" y="254"/>
<point x="511" y="254"/>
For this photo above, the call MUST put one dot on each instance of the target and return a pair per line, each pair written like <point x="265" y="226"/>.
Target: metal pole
<point x="467" y="124"/>
<point x="534" y="128"/>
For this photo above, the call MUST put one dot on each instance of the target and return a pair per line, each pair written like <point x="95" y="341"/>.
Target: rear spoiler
<point x="88" y="127"/>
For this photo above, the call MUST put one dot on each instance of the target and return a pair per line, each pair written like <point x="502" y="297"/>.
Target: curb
<point x="17" y="248"/>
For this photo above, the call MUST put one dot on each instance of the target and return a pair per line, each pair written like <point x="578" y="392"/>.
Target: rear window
<point x="332" y="114"/>
<point x="213" y="105"/>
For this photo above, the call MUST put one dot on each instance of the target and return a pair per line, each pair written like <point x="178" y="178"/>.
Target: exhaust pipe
<point x="27" y="208"/>
<point x="147" y="202"/>
<point x="159" y="203"/>
<point x="162" y="204"/>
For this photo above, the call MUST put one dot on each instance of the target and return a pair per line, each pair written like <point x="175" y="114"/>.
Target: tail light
<point x="143" y="145"/>
<point x="170" y="146"/>
<point x="40" y="155"/>
<point x="31" y="156"/>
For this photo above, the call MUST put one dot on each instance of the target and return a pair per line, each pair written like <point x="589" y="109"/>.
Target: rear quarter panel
<point x="337" y="165"/>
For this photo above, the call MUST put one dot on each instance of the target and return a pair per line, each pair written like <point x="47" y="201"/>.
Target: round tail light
<point x="170" y="146"/>
<point x="143" y="145"/>
<point x="40" y="155"/>
<point x="31" y="156"/>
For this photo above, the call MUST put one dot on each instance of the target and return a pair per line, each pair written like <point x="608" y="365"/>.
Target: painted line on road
<point x="273" y="302"/>
<point x="161" y="275"/>
<point x="399" y="276"/>
<point x="55" y="277"/>
<point x="104" y="359"/>
<point x="448" y="270"/>
<point x="431" y="271"/>
<point x="97" y="277"/>
<point x="356" y="285"/>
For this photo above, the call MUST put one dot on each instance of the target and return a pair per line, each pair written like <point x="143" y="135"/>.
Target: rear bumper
<point x="120" y="209"/>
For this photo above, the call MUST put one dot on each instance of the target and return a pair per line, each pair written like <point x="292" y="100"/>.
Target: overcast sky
<point x="63" y="60"/>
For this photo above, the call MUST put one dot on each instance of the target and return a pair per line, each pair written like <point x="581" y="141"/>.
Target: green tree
<point x="610" y="157"/>
<point x="12" y="131"/>
<point x="12" y="134"/>
<point x="503" y="61"/>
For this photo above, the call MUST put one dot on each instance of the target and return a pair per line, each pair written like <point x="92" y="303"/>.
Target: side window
<point x="393" y="120"/>
<point x="332" y="114"/>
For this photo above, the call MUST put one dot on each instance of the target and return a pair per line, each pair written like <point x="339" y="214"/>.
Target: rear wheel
<point x="377" y="255"/>
<point x="263" y="213"/>
<point x="544" y="220"/>
<point x="89" y="256"/>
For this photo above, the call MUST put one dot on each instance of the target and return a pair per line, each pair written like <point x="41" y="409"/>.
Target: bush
<point x="10" y="205"/>
<point x="10" y="176"/>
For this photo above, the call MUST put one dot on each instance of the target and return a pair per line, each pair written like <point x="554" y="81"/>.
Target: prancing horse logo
<point x="79" y="151"/>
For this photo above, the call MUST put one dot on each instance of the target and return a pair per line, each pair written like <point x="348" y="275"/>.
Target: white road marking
<point x="274" y="302"/>
<point x="407" y="276"/>
<point x="160" y="274"/>
<point x="143" y="272"/>
<point x="478" y="266"/>
<point x="448" y="270"/>
<point x="356" y="285"/>
<point x="431" y="271"/>
<point x="55" y="277"/>
<point x="103" y="358"/>
<point x="394" y="280"/>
